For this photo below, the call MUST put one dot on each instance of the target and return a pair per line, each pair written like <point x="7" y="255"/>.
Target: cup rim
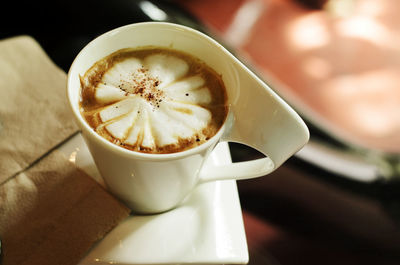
<point x="118" y="149"/>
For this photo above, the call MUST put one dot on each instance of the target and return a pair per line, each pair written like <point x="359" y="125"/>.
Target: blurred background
<point x="337" y="62"/>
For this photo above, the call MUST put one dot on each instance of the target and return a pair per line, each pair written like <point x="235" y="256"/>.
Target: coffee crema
<point x="153" y="100"/>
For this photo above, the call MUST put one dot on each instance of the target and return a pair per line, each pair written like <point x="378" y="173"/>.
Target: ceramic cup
<point x="153" y="183"/>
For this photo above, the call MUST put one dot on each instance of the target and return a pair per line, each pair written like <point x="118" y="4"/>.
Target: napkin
<point x="34" y="114"/>
<point x="51" y="212"/>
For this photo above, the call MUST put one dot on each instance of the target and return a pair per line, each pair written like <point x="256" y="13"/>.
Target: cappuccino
<point x="153" y="100"/>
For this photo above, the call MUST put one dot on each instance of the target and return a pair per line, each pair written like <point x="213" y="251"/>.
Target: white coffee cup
<point x="152" y="183"/>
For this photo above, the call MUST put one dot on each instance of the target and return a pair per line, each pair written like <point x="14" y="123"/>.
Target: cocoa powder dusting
<point x="143" y="84"/>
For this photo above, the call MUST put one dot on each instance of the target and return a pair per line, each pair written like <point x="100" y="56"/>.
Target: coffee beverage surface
<point x="153" y="100"/>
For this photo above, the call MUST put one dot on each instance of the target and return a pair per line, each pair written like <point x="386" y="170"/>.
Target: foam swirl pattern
<point x="152" y="102"/>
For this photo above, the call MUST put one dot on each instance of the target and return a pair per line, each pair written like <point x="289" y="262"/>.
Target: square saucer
<point x="207" y="228"/>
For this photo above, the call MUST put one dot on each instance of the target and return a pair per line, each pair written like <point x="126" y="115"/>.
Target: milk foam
<point x="153" y="102"/>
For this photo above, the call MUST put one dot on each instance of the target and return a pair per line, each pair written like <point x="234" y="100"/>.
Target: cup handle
<point x="260" y="119"/>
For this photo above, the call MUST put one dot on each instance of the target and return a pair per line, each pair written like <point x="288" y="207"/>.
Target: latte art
<point x="153" y="100"/>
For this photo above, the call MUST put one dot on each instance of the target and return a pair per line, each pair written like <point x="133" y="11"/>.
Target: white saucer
<point x="206" y="229"/>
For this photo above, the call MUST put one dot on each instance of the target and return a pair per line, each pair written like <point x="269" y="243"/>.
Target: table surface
<point x="300" y="214"/>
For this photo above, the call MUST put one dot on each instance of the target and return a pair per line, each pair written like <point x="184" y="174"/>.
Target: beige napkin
<point x="34" y="115"/>
<point x="53" y="213"/>
<point x="50" y="211"/>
